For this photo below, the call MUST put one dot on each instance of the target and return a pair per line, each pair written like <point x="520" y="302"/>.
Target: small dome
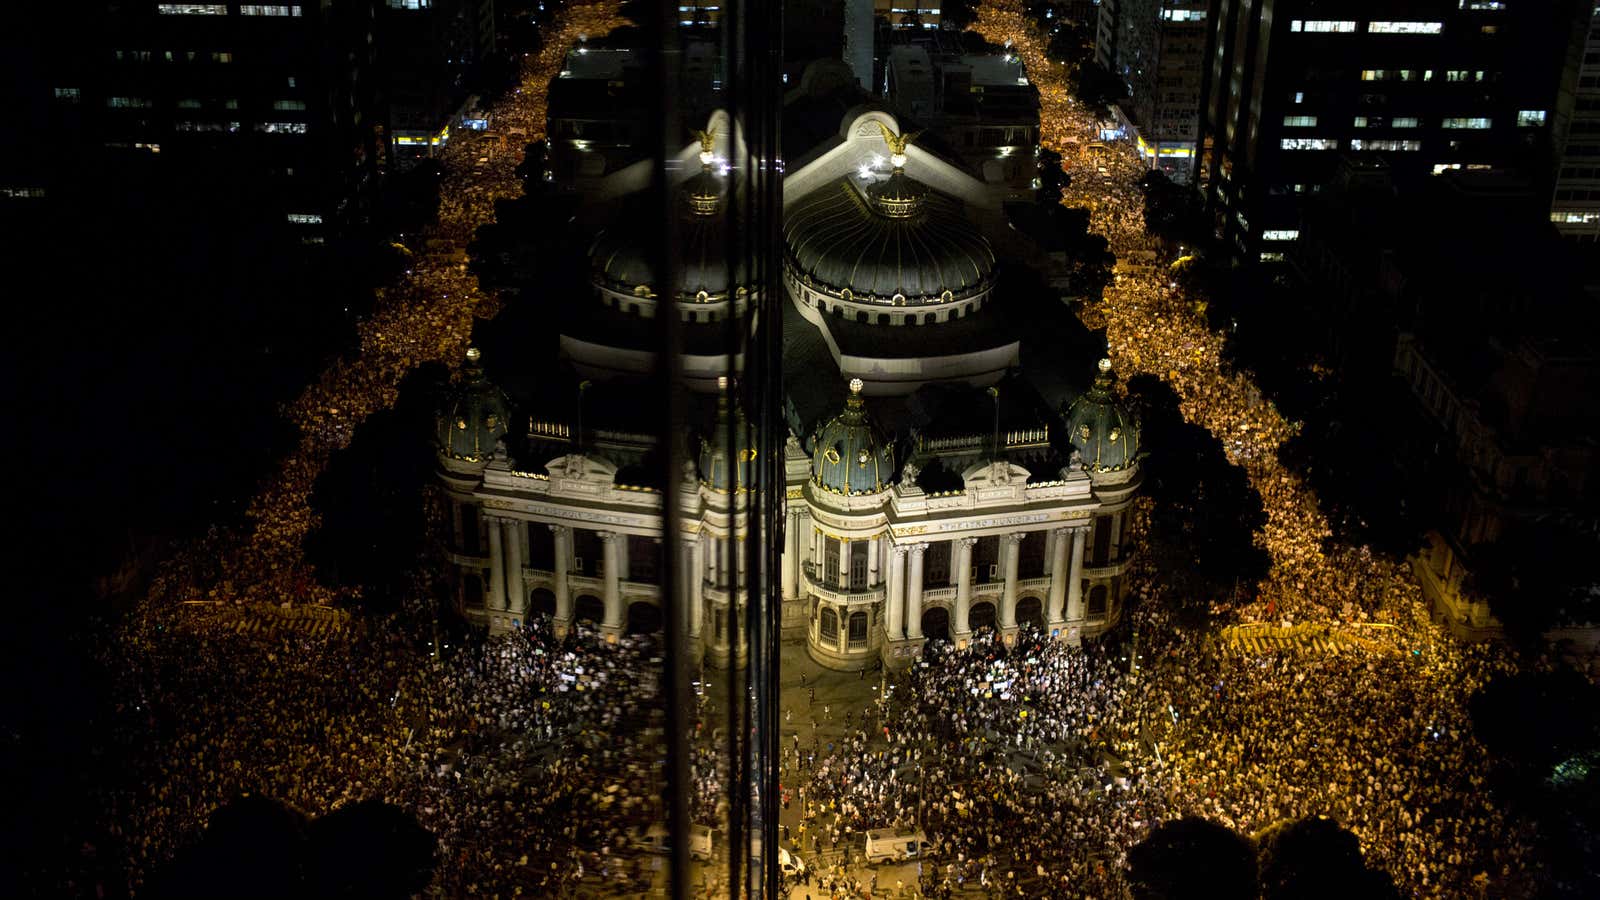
<point x="896" y="237"/>
<point x="474" y="415"/>
<point x="1105" y="433"/>
<point x="620" y="255"/>
<point x="847" y="454"/>
<point x="713" y="461"/>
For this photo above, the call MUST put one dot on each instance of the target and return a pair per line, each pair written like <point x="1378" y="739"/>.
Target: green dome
<point x="714" y="462"/>
<point x="896" y="239"/>
<point x="1105" y="433"/>
<point x="620" y="255"/>
<point x="847" y="454"/>
<point x="474" y="415"/>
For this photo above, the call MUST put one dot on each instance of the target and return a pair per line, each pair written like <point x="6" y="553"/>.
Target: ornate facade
<point x="911" y="513"/>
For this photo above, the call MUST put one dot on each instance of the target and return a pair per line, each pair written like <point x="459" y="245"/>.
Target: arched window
<point x="1097" y="600"/>
<point x="858" y="629"/>
<point x="830" y="624"/>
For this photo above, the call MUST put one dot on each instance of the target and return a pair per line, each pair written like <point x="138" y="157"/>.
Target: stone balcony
<point x="834" y="593"/>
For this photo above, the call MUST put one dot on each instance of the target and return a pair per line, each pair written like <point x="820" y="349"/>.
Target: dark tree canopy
<point x="1534" y="720"/>
<point x="1537" y="577"/>
<point x="1206" y="512"/>
<point x="1099" y="89"/>
<point x="255" y="847"/>
<point x="1172" y="211"/>
<point x="1317" y="859"/>
<point x="1193" y="859"/>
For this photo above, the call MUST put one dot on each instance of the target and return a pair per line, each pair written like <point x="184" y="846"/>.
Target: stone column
<point x="894" y="602"/>
<point x="1058" y="576"/>
<point x="872" y="561"/>
<point x="516" y="592"/>
<point x="791" y="555"/>
<point x="914" y="593"/>
<point x="1116" y="536"/>
<point x="1008" y="600"/>
<point x="613" y="594"/>
<point x="697" y="585"/>
<point x="497" y="567"/>
<point x="563" y="543"/>
<point x="963" y="555"/>
<point x="844" y="564"/>
<point x="624" y="558"/>
<point x="819" y="547"/>
<point x="714" y="555"/>
<point x="1075" y="577"/>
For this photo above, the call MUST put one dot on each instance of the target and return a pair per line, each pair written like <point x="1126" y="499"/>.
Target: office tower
<point x="1432" y="86"/>
<point x="1575" y="208"/>
<point x="1156" y="48"/>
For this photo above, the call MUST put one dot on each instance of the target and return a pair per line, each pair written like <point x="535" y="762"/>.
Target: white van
<point x="896" y="845"/>
<point x="658" y="839"/>
<point x="789" y="865"/>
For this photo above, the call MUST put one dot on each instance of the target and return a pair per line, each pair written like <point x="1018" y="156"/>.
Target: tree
<point x="258" y="847"/>
<point x="1053" y="179"/>
<point x="1172" y="211"/>
<point x="1534" y="720"/>
<point x="1192" y="859"/>
<point x="957" y="15"/>
<point x="1098" y="89"/>
<point x="1206" y="513"/>
<point x="252" y="847"/>
<point x="1316" y="859"/>
<point x="1537" y="576"/>
<point x="1353" y="448"/>
<point x="370" y="849"/>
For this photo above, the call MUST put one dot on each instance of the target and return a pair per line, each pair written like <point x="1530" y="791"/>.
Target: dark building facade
<point x="1431" y="85"/>
<point x="1575" y="207"/>
<point x="1156" y="48"/>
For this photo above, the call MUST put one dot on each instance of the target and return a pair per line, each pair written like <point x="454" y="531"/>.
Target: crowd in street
<point x="1033" y="767"/>
<point x="530" y="758"/>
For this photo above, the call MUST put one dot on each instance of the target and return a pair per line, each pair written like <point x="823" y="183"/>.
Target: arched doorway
<point x="1030" y="612"/>
<point x="980" y="616"/>
<point x="643" y="618"/>
<point x="936" y="624"/>
<point x="589" y="608"/>
<point x="541" y="602"/>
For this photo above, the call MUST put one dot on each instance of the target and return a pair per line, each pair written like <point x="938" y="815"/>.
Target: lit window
<point x="22" y="193"/>
<point x="1370" y="144"/>
<point x="218" y="56"/>
<point x="1456" y="75"/>
<point x="1271" y="256"/>
<point x="256" y="9"/>
<point x="1441" y="168"/>
<point x="289" y="105"/>
<point x="413" y="4"/>
<point x="129" y="102"/>
<point x="1489" y="29"/>
<point x="281" y="127"/>
<point x="1404" y="122"/>
<point x="192" y="9"/>
<point x="1530" y="117"/>
<point x="230" y="103"/>
<point x="1280" y="234"/>
<point x="305" y="218"/>
<point x="1299" y="96"/>
<point x="1322" y="27"/>
<point x="1405" y="28"/>
<point x="1482" y="4"/>
<point x="153" y="148"/>
<point x="1463" y="122"/>
<point x="1309" y="143"/>
<point x="1574" y="218"/>
<point x="71" y="95"/>
<point x="1373" y="74"/>
<point x="1299" y="121"/>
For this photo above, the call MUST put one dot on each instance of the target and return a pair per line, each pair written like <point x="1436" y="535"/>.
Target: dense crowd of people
<point x="530" y="758"/>
<point x="1033" y="768"/>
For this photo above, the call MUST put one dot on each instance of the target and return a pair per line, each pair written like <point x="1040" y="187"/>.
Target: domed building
<point x="935" y="487"/>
